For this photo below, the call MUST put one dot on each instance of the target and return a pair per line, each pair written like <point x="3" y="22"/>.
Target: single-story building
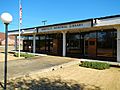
<point x="96" y="38"/>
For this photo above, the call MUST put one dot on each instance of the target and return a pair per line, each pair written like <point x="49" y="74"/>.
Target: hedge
<point x="95" y="65"/>
<point x="26" y="55"/>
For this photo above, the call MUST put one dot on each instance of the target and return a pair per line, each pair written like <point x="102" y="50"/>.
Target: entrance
<point x="54" y="44"/>
<point x="49" y="44"/>
<point x="28" y="45"/>
<point x="90" y="44"/>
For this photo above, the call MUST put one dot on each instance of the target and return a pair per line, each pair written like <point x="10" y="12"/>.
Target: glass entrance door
<point x="28" y="45"/>
<point x="53" y="44"/>
<point x="49" y="43"/>
<point x="57" y="44"/>
<point x="90" y="44"/>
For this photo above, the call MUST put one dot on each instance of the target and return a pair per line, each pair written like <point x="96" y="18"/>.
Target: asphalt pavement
<point x="26" y="66"/>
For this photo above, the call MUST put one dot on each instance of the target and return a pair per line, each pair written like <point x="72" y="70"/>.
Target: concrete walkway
<point x="25" y="66"/>
<point x="80" y="59"/>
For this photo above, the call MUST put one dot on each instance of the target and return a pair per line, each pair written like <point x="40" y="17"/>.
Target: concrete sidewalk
<point x="80" y="59"/>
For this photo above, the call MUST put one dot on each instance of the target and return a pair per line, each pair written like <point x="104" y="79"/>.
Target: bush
<point x="42" y="84"/>
<point x="95" y="65"/>
<point x="26" y="55"/>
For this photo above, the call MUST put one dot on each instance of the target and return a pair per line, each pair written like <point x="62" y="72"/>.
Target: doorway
<point x="90" y="44"/>
<point x="53" y="44"/>
<point x="28" y="45"/>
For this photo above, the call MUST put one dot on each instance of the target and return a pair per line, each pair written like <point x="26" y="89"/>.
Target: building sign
<point x="56" y="27"/>
<point x="63" y="27"/>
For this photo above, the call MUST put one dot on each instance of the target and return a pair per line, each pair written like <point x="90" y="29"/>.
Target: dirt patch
<point x="108" y="79"/>
<point x="70" y="78"/>
<point x="10" y="57"/>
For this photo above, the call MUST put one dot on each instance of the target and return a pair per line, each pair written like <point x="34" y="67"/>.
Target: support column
<point x="64" y="43"/>
<point x="118" y="44"/>
<point x="15" y="46"/>
<point x="34" y="43"/>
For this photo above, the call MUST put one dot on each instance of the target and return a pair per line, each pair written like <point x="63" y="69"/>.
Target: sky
<point x="56" y="11"/>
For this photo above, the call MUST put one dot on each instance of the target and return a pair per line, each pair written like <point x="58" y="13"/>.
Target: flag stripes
<point x="20" y="12"/>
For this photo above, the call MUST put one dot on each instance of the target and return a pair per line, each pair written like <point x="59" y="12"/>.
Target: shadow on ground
<point x="46" y="84"/>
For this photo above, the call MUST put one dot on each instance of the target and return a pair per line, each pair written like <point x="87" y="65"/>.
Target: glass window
<point x="115" y="43"/>
<point x="105" y="43"/>
<point x="37" y="38"/>
<point x="42" y="44"/>
<point x="73" y="44"/>
<point x="30" y="37"/>
<point x="25" y="37"/>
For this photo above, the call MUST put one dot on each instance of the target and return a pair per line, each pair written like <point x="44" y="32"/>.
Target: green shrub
<point x="26" y="55"/>
<point x="95" y="65"/>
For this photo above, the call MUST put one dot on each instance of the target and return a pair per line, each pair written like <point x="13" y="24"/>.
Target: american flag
<point x="20" y="12"/>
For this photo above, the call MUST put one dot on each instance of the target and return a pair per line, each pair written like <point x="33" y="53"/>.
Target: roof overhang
<point x="73" y="30"/>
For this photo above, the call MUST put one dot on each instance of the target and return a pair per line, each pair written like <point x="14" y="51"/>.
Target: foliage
<point x="41" y="84"/>
<point x="56" y="83"/>
<point x="26" y="55"/>
<point x="95" y="65"/>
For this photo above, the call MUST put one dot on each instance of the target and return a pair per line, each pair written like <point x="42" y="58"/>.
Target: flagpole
<point x="19" y="27"/>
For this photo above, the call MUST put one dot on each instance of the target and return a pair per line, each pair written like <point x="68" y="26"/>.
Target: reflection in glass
<point x="42" y="44"/>
<point x="105" y="43"/>
<point x="90" y="44"/>
<point x="73" y="44"/>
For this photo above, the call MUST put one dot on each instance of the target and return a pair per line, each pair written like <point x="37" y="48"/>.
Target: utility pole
<point x="44" y="22"/>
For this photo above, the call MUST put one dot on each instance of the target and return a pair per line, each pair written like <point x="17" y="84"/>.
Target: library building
<point x="94" y="38"/>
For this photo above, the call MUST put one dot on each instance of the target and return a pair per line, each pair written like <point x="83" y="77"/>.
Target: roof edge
<point x="85" y="20"/>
